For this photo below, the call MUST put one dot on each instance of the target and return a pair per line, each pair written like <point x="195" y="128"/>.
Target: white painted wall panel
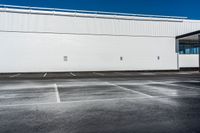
<point x="33" y="52"/>
<point x="188" y="61"/>
<point x="37" y="43"/>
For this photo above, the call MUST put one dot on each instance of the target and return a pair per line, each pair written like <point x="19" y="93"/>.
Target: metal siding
<point x="98" y="48"/>
<point x="84" y="25"/>
<point x="36" y="52"/>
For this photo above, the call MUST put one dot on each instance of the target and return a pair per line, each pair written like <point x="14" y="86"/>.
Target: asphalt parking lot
<point x="78" y="75"/>
<point x="117" y="103"/>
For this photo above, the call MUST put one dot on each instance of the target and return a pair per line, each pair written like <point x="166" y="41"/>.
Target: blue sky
<point x="188" y="8"/>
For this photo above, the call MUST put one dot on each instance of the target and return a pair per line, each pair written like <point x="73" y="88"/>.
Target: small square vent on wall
<point x="121" y="58"/>
<point x="65" y="58"/>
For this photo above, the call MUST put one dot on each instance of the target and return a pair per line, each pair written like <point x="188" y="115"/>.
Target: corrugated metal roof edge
<point x="84" y="13"/>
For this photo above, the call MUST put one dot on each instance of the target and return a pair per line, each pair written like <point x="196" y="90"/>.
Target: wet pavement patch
<point x="106" y="105"/>
<point x="141" y="116"/>
<point x="77" y="93"/>
<point x="27" y="96"/>
<point x="171" y="90"/>
<point x="195" y="84"/>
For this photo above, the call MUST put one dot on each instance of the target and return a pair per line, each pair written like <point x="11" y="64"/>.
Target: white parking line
<point x="73" y="74"/>
<point x="16" y="75"/>
<point x="57" y="93"/>
<point x="130" y="90"/>
<point x="45" y="75"/>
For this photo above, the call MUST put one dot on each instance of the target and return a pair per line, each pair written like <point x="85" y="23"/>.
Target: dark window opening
<point x="188" y="49"/>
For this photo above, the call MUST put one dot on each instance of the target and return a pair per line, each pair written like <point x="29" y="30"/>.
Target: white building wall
<point x="35" y="52"/>
<point x="38" y="43"/>
<point x="188" y="61"/>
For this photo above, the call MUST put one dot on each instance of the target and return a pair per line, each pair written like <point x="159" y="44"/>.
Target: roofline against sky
<point x="55" y="10"/>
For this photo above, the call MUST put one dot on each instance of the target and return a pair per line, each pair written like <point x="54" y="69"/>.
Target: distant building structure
<point x="58" y="40"/>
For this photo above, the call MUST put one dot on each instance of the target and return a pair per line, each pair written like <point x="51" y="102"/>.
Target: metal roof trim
<point x="85" y="13"/>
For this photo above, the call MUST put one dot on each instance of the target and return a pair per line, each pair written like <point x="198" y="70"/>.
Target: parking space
<point x="189" y="84"/>
<point x="101" y="105"/>
<point x="78" y="75"/>
<point x="6" y="75"/>
<point x="82" y="74"/>
<point x="27" y="96"/>
<point x="21" y="76"/>
<point x="117" y="74"/>
<point x="57" y="75"/>
<point x="97" y="92"/>
<point x="27" y="75"/>
<point x="25" y="91"/>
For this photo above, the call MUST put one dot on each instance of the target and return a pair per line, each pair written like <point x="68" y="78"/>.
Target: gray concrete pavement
<point x="158" y="104"/>
<point x="78" y="75"/>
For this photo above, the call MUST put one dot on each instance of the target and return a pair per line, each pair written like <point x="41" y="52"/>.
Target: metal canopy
<point x="189" y="36"/>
